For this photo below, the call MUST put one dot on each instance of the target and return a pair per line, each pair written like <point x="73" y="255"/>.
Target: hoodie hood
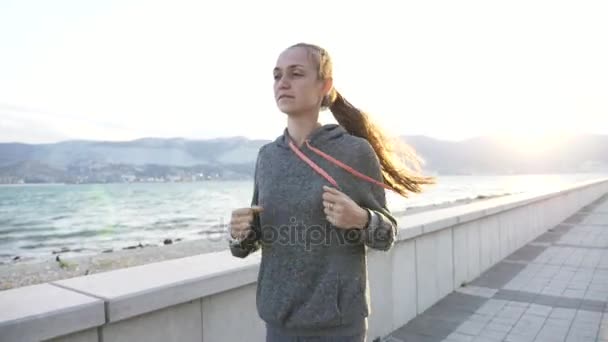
<point x="317" y="136"/>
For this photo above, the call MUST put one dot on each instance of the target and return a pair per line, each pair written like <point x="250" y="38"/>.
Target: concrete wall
<point x="211" y="297"/>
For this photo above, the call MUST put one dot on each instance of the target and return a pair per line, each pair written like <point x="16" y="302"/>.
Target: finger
<point x="240" y="235"/>
<point x="247" y="214"/>
<point x="336" y="209"/>
<point x="247" y="211"/>
<point x="237" y="218"/>
<point x="332" y="190"/>
<point x="244" y="228"/>
<point x="241" y="229"/>
<point x="237" y="232"/>
<point x="246" y="225"/>
<point x="257" y="209"/>
<point x="236" y="228"/>
<point x="240" y="219"/>
<point x="241" y="211"/>
<point x="242" y="224"/>
<point x="331" y="197"/>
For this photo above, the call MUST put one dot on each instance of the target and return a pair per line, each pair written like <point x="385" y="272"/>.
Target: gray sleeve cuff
<point x="379" y="233"/>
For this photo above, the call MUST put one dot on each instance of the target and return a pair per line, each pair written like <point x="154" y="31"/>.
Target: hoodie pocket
<point x="318" y="309"/>
<point x="352" y="299"/>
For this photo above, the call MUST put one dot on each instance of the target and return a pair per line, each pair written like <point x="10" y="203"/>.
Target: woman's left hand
<point x="342" y="211"/>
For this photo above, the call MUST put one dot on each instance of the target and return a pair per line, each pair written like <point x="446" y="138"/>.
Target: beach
<point x="17" y="274"/>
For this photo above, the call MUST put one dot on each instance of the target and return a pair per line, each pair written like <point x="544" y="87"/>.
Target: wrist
<point x="364" y="218"/>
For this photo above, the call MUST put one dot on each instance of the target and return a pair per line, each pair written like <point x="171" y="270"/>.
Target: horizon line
<point x="227" y="137"/>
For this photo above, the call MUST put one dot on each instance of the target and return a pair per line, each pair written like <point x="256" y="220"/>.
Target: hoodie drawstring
<point x="331" y="159"/>
<point x="312" y="164"/>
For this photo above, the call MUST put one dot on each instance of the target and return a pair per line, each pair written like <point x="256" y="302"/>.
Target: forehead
<point x="295" y="56"/>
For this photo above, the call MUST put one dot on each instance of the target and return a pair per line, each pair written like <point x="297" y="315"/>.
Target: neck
<point x="299" y="127"/>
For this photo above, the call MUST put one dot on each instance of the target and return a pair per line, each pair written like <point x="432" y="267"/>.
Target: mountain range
<point x="178" y="159"/>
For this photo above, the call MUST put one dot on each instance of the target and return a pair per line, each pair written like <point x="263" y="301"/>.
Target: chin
<point x="287" y="109"/>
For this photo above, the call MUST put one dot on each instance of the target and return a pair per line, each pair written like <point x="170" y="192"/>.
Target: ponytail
<point x="400" y="177"/>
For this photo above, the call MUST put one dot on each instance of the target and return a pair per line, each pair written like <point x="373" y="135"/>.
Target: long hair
<point x="399" y="163"/>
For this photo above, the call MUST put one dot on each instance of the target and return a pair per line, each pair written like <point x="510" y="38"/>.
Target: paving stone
<point x="485" y="339"/>
<point x="527" y="253"/>
<point x="477" y="291"/>
<point x="551" y="335"/>
<point x="577" y="218"/>
<point x="558" y="323"/>
<point x="431" y="327"/>
<point x="492" y="306"/>
<point x="550" y="237"/>
<point x="391" y="339"/>
<point x="562" y="313"/>
<point x="495" y="334"/>
<point x="498" y="327"/>
<point x="518" y="338"/>
<point x="459" y="337"/>
<point x="498" y="275"/>
<point x="590" y="305"/>
<point x="480" y="318"/>
<point x="413" y="337"/>
<point x="569" y="303"/>
<point x="546" y="300"/>
<point x="539" y="310"/>
<point x="572" y="293"/>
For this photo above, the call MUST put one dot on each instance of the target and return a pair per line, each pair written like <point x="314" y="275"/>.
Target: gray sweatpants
<point x="275" y="336"/>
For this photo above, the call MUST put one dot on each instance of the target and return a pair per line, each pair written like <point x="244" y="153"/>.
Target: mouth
<point x="284" y="97"/>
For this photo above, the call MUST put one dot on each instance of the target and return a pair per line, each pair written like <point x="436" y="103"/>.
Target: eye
<point x="276" y="76"/>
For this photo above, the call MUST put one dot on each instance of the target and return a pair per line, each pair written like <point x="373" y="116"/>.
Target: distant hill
<point x="156" y="159"/>
<point x="149" y="159"/>
<point x="174" y="152"/>
<point x="485" y="155"/>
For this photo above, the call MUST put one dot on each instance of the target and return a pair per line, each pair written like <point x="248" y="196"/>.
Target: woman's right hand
<point x="240" y="222"/>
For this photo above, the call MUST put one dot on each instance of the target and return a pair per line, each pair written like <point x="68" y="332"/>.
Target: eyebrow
<point x="292" y="66"/>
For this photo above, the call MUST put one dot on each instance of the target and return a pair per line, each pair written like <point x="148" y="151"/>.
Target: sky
<point x="122" y="70"/>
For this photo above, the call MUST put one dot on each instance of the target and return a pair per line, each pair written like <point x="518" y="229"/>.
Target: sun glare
<point x="533" y="141"/>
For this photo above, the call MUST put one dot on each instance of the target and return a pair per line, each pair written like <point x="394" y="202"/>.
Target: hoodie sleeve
<point x="252" y="242"/>
<point x="382" y="228"/>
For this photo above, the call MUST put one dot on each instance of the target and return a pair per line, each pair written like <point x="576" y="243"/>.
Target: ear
<point x="327" y="85"/>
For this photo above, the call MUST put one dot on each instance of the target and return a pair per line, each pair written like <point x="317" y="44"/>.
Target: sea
<point x="38" y="221"/>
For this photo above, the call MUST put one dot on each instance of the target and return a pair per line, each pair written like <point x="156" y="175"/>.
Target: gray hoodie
<point x="313" y="276"/>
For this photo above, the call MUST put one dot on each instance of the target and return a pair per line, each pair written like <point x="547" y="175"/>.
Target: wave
<point x="44" y="245"/>
<point x="31" y="229"/>
<point x="29" y="223"/>
<point x="76" y="234"/>
<point x="179" y="222"/>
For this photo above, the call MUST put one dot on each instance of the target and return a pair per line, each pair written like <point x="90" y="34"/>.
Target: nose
<point x="283" y="83"/>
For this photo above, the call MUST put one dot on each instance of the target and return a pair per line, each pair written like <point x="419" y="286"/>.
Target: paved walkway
<point x="553" y="289"/>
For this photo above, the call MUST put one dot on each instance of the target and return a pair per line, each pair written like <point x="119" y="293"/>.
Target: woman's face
<point x="297" y="88"/>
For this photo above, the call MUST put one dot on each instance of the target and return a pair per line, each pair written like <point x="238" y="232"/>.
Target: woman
<point x="318" y="201"/>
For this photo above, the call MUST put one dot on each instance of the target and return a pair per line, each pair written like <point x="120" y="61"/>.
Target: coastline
<point x="19" y="274"/>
